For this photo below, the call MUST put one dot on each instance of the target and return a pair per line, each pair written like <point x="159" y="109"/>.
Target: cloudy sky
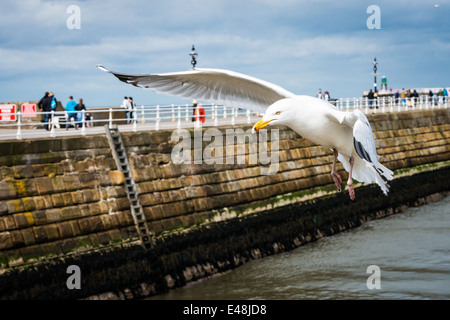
<point x="298" y="44"/>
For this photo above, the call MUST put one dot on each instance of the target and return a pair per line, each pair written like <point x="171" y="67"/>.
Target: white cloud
<point x="296" y="44"/>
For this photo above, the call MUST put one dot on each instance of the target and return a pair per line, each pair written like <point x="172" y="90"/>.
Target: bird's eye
<point x="278" y="113"/>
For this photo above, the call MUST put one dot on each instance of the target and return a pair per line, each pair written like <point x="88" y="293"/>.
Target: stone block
<point x="77" y="197"/>
<point x="71" y="182"/>
<point x="153" y="212"/>
<point x="58" y="184"/>
<point x="3" y="208"/>
<point x="123" y="204"/>
<point x="23" y="172"/>
<point x="57" y="200"/>
<point x="94" y="208"/>
<point x="168" y="223"/>
<point x="65" y="229"/>
<point x="104" y="206"/>
<point x="96" y="224"/>
<point x="14" y="257"/>
<point x="91" y="195"/>
<point x="39" y="203"/>
<point x="21" y="220"/>
<point x="88" y="180"/>
<point x="32" y="253"/>
<point x="43" y="185"/>
<point x="9" y="222"/>
<point x="104" y="238"/>
<point x="15" y="205"/>
<point x="38" y="170"/>
<point x="147" y="199"/>
<point x="67" y="198"/>
<point x="75" y="227"/>
<point x="52" y="232"/>
<point x="68" y="245"/>
<point x="84" y="210"/>
<point x="28" y="204"/>
<point x="5" y="240"/>
<point x="146" y="187"/>
<point x="168" y="210"/>
<point x="39" y="234"/>
<point x="115" y="235"/>
<point x="28" y="236"/>
<point x="51" y="249"/>
<point x="7" y="190"/>
<point x="70" y="213"/>
<point x="85" y="226"/>
<point x="107" y="221"/>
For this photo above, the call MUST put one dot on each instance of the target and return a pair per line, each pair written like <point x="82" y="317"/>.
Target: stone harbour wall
<point x="66" y="195"/>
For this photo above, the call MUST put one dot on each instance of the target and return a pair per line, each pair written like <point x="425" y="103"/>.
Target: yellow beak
<point x="260" y="124"/>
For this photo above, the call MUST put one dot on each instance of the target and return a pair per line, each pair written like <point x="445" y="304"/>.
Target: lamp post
<point x="375" y="63"/>
<point x="193" y="55"/>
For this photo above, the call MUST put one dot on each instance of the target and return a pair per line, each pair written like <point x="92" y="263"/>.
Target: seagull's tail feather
<point x="364" y="171"/>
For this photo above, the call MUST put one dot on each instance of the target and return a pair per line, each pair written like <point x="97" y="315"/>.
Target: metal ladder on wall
<point x="120" y="156"/>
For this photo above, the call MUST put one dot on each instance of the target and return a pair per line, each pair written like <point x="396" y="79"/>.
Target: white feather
<point x="213" y="85"/>
<point x="312" y="118"/>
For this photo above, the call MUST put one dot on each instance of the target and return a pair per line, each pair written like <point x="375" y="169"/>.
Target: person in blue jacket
<point x="71" y="112"/>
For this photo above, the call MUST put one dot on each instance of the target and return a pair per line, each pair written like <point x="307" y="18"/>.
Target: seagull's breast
<point x="313" y="122"/>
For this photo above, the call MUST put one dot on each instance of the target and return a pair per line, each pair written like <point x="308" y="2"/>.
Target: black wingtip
<point x="361" y="151"/>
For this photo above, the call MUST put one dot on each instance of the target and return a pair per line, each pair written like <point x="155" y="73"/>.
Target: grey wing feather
<point x="213" y="85"/>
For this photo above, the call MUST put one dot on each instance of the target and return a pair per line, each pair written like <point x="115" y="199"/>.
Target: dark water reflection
<point x="412" y="250"/>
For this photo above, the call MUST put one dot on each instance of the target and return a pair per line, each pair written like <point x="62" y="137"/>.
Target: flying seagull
<point x="348" y="134"/>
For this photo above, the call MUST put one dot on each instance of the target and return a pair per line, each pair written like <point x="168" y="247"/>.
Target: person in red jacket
<point x="199" y="112"/>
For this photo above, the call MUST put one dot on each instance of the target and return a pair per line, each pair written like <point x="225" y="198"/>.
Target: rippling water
<point x="412" y="250"/>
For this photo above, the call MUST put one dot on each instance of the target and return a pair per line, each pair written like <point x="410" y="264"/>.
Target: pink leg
<point x="336" y="177"/>
<point x="351" y="191"/>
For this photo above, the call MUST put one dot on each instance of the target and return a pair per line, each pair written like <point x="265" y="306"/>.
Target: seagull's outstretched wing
<point x="213" y="85"/>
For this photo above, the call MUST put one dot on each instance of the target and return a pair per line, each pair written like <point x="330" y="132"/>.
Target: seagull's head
<point x="279" y="113"/>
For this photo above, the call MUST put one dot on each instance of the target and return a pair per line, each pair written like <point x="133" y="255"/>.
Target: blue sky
<point x="300" y="45"/>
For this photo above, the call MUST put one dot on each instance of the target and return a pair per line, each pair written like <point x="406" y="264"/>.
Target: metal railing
<point x="141" y="118"/>
<point x="181" y="116"/>
<point x="391" y="104"/>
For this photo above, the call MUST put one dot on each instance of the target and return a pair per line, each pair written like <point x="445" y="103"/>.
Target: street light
<point x="194" y="55"/>
<point x="375" y="63"/>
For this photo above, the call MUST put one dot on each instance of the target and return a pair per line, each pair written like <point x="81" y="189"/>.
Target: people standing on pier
<point x="370" y="97"/>
<point x="397" y="96"/>
<point x="319" y="94"/>
<point x="45" y="105"/>
<point x="199" y="112"/>
<point x="375" y="98"/>
<point x="415" y="97"/>
<point x="403" y="97"/>
<point x="445" y="94"/>
<point x="127" y="106"/>
<point x="194" y="106"/>
<point x="80" y="107"/>
<point x="132" y="109"/>
<point x="440" y="95"/>
<point x="430" y="95"/>
<point x="327" y="96"/>
<point x="408" y="97"/>
<point x="71" y="113"/>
